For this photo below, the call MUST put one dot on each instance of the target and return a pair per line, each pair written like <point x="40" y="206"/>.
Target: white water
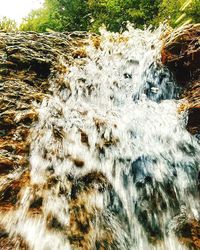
<point x="125" y="103"/>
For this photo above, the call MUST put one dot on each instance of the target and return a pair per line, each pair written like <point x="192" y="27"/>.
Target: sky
<point x="17" y="9"/>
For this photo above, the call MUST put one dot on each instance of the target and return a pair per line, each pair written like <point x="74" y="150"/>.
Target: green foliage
<point x="6" y="24"/>
<point x="46" y="18"/>
<point x="70" y="15"/>
<point x="193" y="11"/>
<point x="74" y="14"/>
<point x="114" y="13"/>
<point x="179" y="12"/>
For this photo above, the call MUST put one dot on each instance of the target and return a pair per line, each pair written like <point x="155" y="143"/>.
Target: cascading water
<point x="111" y="161"/>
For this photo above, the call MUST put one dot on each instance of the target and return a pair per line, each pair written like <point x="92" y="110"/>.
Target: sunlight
<point x="185" y="5"/>
<point x="181" y="17"/>
<point x="17" y="9"/>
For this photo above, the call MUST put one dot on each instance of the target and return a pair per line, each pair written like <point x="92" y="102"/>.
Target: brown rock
<point x="181" y="54"/>
<point x="11" y="242"/>
<point x="28" y="61"/>
<point x="189" y="234"/>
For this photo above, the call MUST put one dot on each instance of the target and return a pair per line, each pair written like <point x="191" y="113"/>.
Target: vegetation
<point x="6" y="24"/>
<point x="179" y="11"/>
<point x="70" y="15"/>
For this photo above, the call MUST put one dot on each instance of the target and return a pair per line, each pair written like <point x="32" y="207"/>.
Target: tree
<point x="113" y="13"/>
<point x="179" y="12"/>
<point x="89" y="15"/>
<point x="74" y="14"/>
<point x="7" y="24"/>
<point x="193" y="11"/>
<point x="44" y="18"/>
<point x="58" y="15"/>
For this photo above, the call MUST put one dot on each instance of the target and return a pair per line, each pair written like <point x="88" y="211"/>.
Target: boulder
<point x="181" y="54"/>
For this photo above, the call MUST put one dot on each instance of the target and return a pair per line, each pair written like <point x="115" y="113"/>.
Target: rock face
<point x="181" y="54"/>
<point x="28" y="61"/>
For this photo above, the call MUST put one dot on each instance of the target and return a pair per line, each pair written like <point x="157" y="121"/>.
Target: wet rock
<point x="181" y="54"/>
<point x="84" y="138"/>
<point x="188" y="231"/>
<point x="6" y="165"/>
<point x="10" y="191"/>
<point x="87" y="214"/>
<point x="11" y="242"/>
<point x="28" y="62"/>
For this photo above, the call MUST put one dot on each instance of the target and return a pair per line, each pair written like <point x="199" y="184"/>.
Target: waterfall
<point x="112" y="165"/>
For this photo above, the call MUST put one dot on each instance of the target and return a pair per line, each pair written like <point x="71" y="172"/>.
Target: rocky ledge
<point x="181" y="54"/>
<point x="28" y="62"/>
